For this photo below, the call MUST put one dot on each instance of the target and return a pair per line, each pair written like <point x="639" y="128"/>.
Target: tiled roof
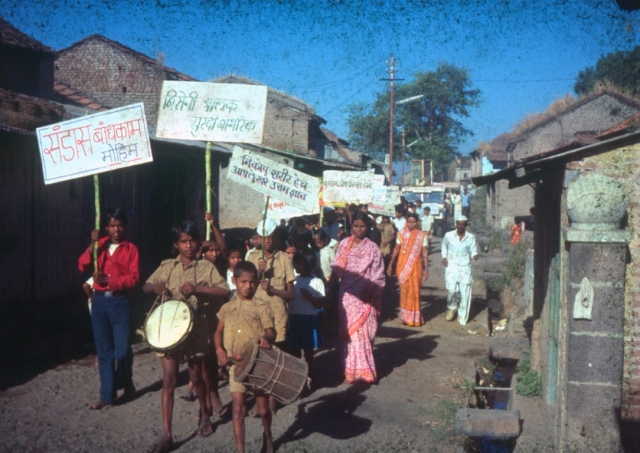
<point x="74" y="97"/>
<point x="341" y="146"/>
<point x="11" y="36"/>
<point x="130" y="51"/>
<point x="27" y="112"/>
<point x="628" y="125"/>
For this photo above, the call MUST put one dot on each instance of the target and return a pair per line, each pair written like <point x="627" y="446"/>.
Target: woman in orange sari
<point x="411" y="253"/>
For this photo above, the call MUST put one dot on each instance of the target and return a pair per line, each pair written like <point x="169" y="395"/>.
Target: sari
<point x="361" y="272"/>
<point x="409" y="273"/>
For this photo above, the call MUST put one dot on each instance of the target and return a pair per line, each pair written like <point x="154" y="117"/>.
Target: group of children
<point x="266" y="294"/>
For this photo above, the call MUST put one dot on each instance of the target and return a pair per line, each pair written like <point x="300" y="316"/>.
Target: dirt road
<point x="411" y="409"/>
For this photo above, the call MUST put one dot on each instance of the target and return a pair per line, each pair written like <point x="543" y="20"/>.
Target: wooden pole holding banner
<point x="96" y="194"/>
<point x="207" y="182"/>
<point x="264" y="224"/>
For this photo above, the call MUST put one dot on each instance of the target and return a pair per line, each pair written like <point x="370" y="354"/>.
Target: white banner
<point x="347" y="187"/>
<point x="277" y="210"/>
<point x="274" y="179"/>
<point x="220" y="112"/>
<point x="94" y="144"/>
<point x="385" y="198"/>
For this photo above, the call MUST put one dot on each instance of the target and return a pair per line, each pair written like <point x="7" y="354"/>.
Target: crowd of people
<point x="298" y="285"/>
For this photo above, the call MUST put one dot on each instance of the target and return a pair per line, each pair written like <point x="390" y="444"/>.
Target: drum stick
<point x="96" y="194"/>
<point x="207" y="165"/>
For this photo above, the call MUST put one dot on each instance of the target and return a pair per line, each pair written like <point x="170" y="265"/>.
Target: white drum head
<point x="169" y="324"/>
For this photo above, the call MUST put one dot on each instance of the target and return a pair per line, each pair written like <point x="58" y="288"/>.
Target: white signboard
<point x="274" y="179"/>
<point x="94" y="144"/>
<point x="347" y="187"/>
<point x="385" y="198"/>
<point x="220" y="112"/>
<point x="277" y="210"/>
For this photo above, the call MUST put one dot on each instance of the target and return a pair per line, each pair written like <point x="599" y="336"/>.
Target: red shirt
<point x="122" y="267"/>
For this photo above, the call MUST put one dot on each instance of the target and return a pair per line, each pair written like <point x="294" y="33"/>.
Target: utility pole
<point x="404" y="149"/>
<point x="391" y="70"/>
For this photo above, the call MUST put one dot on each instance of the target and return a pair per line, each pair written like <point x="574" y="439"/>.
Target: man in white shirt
<point x="427" y="223"/>
<point x="399" y="220"/>
<point x="458" y="249"/>
<point x="457" y="206"/>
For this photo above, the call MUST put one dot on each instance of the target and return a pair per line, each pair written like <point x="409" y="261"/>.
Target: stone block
<point x="535" y="346"/>
<point x="595" y="359"/>
<point x="489" y="423"/>
<point x="507" y="348"/>
<point x="599" y="262"/>
<point x="607" y="314"/>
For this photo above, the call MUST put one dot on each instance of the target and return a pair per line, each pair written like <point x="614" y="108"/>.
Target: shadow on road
<point x="389" y="356"/>
<point x="331" y="415"/>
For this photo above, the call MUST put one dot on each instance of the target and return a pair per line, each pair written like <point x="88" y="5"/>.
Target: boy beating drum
<point x="187" y="279"/>
<point x="242" y="318"/>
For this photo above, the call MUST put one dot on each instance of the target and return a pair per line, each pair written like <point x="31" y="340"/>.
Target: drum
<point x="169" y="325"/>
<point x="271" y="371"/>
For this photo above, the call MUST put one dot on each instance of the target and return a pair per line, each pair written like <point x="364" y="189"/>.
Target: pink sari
<point x="361" y="272"/>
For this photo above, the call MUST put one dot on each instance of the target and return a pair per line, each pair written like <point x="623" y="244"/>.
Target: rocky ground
<point x="421" y="384"/>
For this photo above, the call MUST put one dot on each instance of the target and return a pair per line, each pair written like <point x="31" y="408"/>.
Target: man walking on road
<point x="458" y="249"/>
<point x="465" y="198"/>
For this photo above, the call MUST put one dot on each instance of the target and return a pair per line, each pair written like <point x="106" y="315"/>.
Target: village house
<point x="565" y="121"/>
<point x="586" y="303"/>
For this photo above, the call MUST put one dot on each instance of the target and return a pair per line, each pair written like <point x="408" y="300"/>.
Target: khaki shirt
<point x="200" y="273"/>
<point x="387" y="233"/>
<point x="279" y="272"/>
<point x="243" y="320"/>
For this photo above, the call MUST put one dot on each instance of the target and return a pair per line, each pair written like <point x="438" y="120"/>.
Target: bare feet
<point x="190" y="395"/>
<point x="267" y="444"/>
<point x="99" y="405"/>
<point x="204" y="427"/>
<point x="162" y="445"/>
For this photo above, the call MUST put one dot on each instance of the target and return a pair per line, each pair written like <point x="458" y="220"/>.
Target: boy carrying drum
<point x="195" y="282"/>
<point x="242" y="318"/>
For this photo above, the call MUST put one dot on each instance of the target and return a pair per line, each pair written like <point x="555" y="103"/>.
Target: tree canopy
<point x="434" y="120"/>
<point x="620" y="68"/>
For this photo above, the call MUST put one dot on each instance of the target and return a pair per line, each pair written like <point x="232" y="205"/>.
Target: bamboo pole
<point x="264" y="224"/>
<point x="96" y="193"/>
<point x="207" y="164"/>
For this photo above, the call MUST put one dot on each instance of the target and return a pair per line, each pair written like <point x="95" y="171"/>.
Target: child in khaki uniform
<point x="195" y="282"/>
<point x="277" y="286"/>
<point x="243" y="318"/>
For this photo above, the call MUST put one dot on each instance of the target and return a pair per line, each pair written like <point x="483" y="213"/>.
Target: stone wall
<point x="624" y="165"/>
<point x="286" y="128"/>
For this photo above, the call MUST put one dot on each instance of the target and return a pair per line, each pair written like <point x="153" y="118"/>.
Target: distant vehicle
<point x="430" y="196"/>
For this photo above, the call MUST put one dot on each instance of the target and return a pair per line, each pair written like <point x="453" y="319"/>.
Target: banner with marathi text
<point x="94" y="144"/>
<point x="385" y="198"/>
<point x="220" y="112"/>
<point x="274" y="179"/>
<point x="339" y="187"/>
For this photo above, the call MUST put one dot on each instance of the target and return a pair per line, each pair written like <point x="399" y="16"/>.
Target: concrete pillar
<point x="594" y="289"/>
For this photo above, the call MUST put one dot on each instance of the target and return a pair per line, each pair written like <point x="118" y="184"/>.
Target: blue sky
<point x="521" y="54"/>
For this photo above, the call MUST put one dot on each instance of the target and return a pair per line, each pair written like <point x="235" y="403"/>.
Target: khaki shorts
<point x="195" y="347"/>
<point x="239" y="387"/>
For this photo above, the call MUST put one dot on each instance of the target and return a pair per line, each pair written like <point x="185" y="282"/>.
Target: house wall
<point x="111" y="76"/>
<point x="286" y="128"/>
<point x="26" y="71"/>
<point x="597" y="115"/>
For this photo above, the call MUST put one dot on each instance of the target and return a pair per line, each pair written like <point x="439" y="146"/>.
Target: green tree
<point x="434" y="120"/>
<point x="620" y="68"/>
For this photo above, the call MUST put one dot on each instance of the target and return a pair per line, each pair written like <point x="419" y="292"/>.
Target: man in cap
<point x="458" y="249"/>
<point x="330" y="226"/>
<point x="276" y="281"/>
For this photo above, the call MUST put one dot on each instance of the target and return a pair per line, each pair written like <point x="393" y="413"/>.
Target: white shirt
<point x="427" y="222"/>
<point x="232" y="287"/>
<point x="459" y="252"/>
<point x="301" y="306"/>
<point x="399" y="223"/>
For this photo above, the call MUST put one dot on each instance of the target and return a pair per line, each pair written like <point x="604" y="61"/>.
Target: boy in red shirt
<point x="118" y="272"/>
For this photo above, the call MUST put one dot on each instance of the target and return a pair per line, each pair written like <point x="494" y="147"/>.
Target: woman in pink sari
<point x="359" y="266"/>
